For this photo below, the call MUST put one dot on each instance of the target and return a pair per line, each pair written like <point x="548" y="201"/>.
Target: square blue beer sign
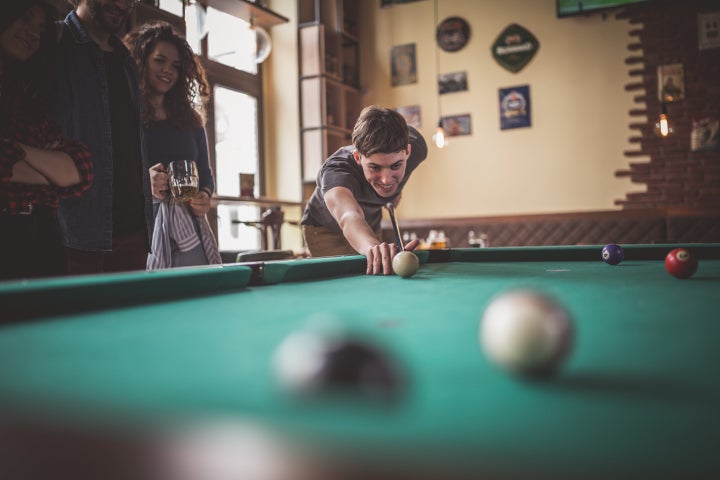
<point x="514" y="107"/>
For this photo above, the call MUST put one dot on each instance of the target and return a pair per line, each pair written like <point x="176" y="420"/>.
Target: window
<point x="232" y="42"/>
<point x="227" y="46"/>
<point x="173" y="6"/>
<point x="236" y="152"/>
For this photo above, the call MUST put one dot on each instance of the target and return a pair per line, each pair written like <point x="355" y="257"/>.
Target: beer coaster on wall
<point x="453" y="34"/>
<point x="514" y="48"/>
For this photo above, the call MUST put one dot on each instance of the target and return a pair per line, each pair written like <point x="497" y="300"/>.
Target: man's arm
<point x="347" y="212"/>
<point x="22" y="172"/>
<point x="55" y="165"/>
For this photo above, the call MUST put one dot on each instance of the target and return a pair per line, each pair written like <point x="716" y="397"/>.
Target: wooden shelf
<point x="330" y="95"/>
<point x="255" y="201"/>
<point x="248" y="11"/>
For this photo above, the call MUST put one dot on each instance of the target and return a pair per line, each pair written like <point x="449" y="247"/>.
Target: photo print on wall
<point x="452" y="82"/>
<point x="411" y="114"/>
<point x="456" y="125"/>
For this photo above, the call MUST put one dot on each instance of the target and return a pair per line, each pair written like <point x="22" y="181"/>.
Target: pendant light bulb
<point x="663" y="128"/>
<point x="439" y="137"/>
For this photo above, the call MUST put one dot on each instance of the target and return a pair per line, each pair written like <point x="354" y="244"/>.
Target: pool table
<point x="170" y="374"/>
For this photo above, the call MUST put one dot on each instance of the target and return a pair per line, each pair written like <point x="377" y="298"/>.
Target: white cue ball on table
<point x="405" y="264"/>
<point x="526" y="333"/>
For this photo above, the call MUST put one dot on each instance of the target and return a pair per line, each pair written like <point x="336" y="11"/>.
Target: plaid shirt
<point x="42" y="133"/>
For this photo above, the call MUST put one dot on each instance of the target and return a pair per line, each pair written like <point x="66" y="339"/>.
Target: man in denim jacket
<point x="98" y="102"/>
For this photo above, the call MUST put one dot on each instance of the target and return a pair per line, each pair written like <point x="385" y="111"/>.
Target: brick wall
<point x="666" y="32"/>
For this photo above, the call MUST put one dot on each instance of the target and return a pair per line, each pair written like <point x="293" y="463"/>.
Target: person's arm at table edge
<point x="347" y="212"/>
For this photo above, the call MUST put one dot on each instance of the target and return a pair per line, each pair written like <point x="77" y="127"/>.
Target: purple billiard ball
<point x="612" y="254"/>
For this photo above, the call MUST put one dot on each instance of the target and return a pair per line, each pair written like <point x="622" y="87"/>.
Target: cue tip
<point x="389" y="205"/>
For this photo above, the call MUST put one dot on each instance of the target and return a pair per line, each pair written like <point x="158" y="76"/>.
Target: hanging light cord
<point x="439" y="136"/>
<point x="437" y="59"/>
<point x="662" y="127"/>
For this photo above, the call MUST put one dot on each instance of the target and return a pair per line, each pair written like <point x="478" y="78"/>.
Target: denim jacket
<point x="82" y="110"/>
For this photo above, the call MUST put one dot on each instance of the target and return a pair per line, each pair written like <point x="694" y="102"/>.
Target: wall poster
<point x="403" y="64"/>
<point x="671" y="82"/>
<point x="514" y="107"/>
<point x="708" y="30"/>
<point x="705" y="133"/>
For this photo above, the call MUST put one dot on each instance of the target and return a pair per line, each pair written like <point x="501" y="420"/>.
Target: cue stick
<point x="396" y="228"/>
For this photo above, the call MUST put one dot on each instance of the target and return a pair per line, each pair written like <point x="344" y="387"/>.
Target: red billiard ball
<point x="681" y="263"/>
<point x="613" y="254"/>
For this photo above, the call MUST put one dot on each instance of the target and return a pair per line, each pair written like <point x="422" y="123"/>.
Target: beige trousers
<point x="323" y="242"/>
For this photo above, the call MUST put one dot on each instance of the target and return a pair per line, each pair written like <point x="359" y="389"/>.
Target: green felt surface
<point x="639" y="394"/>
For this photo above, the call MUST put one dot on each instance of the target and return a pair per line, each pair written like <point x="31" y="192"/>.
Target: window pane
<point x="195" y="26"/>
<point x="236" y="151"/>
<point x="230" y="41"/>
<point x="172" y="6"/>
<point x="238" y="236"/>
<point x="236" y="148"/>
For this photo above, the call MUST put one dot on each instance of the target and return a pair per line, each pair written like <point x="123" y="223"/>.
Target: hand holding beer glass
<point x="184" y="179"/>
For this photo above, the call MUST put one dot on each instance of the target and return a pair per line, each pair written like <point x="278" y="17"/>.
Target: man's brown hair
<point x="380" y="130"/>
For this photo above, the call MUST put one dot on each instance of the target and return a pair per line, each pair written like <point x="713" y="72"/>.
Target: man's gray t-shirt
<point x="341" y="170"/>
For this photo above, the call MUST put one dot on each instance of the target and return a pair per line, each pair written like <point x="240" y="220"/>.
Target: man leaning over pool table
<point x="344" y="212"/>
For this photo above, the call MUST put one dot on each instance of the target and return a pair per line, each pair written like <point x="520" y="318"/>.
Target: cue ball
<point x="612" y="254"/>
<point x="311" y="363"/>
<point x="405" y="264"/>
<point x="526" y="333"/>
<point x="680" y="263"/>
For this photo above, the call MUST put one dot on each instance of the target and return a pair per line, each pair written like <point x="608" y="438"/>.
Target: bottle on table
<point x="478" y="241"/>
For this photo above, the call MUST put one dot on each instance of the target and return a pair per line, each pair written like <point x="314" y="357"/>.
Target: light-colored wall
<point x="565" y="162"/>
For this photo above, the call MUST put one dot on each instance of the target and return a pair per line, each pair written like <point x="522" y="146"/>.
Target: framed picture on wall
<point x="452" y="82"/>
<point x="403" y="64"/>
<point x="671" y="82"/>
<point x="456" y="125"/>
<point x="705" y="133"/>
<point x="514" y="107"/>
<point x="709" y="30"/>
<point x="411" y="114"/>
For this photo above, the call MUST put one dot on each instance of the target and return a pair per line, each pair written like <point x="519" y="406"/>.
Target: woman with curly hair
<point x="174" y="91"/>
<point x="37" y="165"/>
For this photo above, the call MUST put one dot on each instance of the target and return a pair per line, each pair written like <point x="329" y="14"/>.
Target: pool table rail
<point x="569" y="253"/>
<point x="24" y="300"/>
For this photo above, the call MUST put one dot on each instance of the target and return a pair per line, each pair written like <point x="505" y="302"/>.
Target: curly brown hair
<point x="185" y="102"/>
